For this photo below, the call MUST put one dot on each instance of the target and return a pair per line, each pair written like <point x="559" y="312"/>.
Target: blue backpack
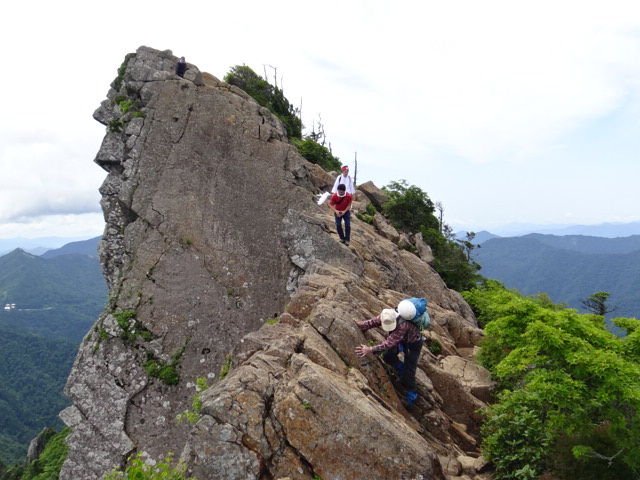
<point x="422" y="319"/>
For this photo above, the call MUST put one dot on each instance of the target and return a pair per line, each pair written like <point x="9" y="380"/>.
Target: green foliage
<point x="48" y="465"/>
<point x="561" y="375"/>
<point x="116" y="125"/>
<point x="130" y="328"/>
<point x="117" y="83"/>
<point x="410" y="210"/>
<point x="597" y="303"/>
<point x="12" y="473"/>
<point x="435" y="346"/>
<point x="590" y="456"/>
<point x="368" y="214"/>
<point x="266" y="95"/>
<point x="165" y="371"/>
<point x="186" y="241"/>
<point x="139" y="470"/>
<point x="57" y="297"/>
<point x="224" y="371"/>
<point x="568" y="268"/>
<point x="193" y="415"/>
<point x="127" y="323"/>
<point x="33" y="371"/>
<point x="316" y="153"/>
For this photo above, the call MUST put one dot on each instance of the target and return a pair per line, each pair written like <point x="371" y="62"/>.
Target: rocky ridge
<point x="217" y="254"/>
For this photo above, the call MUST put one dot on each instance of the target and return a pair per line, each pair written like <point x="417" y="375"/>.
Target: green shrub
<point x="139" y="470"/>
<point x="115" y="126"/>
<point x="167" y="372"/>
<point x="316" y="153"/>
<point x="268" y="96"/>
<point x="48" y="465"/>
<point x="193" y="415"/>
<point x="224" y="371"/>
<point x="565" y="383"/>
<point x="117" y="83"/>
<point x="410" y="210"/>
<point x="435" y="346"/>
<point x="600" y="459"/>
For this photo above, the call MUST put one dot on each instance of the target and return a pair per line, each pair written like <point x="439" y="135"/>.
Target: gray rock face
<point x="214" y="249"/>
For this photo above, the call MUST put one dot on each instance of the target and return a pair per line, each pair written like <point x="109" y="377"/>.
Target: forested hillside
<point x="33" y="371"/>
<point x="56" y="301"/>
<point x="85" y="247"/>
<point x="567" y="268"/>
<point x="59" y="297"/>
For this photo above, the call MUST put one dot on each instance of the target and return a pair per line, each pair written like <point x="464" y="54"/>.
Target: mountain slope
<point x="55" y="297"/>
<point x="85" y="247"/>
<point x="56" y="301"/>
<point x="567" y="268"/>
<point x="33" y="371"/>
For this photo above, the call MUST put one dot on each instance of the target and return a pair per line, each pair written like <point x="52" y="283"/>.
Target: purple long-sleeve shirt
<point x="405" y="332"/>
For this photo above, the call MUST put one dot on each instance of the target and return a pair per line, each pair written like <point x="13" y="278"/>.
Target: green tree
<point x="268" y="96"/>
<point x="597" y="304"/>
<point x="562" y="377"/>
<point x="316" y="153"/>
<point x="409" y="209"/>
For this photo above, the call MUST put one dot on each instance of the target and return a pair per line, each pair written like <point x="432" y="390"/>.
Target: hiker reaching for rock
<point x="405" y="325"/>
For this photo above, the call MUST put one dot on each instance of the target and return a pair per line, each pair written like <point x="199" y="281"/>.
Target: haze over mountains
<point x="606" y="230"/>
<point x="568" y="268"/>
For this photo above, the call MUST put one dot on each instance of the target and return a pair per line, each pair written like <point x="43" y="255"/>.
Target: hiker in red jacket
<point x="340" y="203"/>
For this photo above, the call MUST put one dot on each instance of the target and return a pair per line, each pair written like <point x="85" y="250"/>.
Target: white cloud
<point x="482" y="104"/>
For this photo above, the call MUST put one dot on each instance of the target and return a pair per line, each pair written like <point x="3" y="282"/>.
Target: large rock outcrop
<point x="217" y="254"/>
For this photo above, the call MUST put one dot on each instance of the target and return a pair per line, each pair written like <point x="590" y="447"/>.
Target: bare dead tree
<point x="275" y="74"/>
<point x="355" y="168"/>
<point x="440" y="209"/>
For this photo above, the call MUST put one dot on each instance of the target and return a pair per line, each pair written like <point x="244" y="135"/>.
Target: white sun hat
<point x="388" y="318"/>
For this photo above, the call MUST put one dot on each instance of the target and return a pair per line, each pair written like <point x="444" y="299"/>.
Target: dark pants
<point x="411" y="357"/>
<point x="346" y="234"/>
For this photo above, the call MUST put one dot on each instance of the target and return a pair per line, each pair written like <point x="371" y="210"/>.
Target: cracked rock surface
<point x="215" y="250"/>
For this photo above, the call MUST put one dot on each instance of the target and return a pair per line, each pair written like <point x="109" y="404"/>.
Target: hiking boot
<point x="411" y="397"/>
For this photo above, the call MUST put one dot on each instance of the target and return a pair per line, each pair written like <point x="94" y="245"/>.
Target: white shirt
<point x="348" y="183"/>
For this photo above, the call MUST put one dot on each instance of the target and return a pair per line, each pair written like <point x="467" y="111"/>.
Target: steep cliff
<point x="214" y="250"/>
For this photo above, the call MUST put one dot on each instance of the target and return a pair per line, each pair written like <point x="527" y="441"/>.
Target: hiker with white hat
<point x="403" y="336"/>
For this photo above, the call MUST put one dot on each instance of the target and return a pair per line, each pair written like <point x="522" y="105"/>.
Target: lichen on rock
<point x="212" y="230"/>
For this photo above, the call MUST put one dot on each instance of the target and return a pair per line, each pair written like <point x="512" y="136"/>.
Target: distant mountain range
<point x="38" y="246"/>
<point x="59" y="295"/>
<point x="606" y="230"/>
<point x="47" y="305"/>
<point x="568" y="268"/>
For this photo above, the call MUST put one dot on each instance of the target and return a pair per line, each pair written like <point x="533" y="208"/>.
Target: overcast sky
<point x="503" y="111"/>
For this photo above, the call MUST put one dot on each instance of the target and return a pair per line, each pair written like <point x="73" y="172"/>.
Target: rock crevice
<point x="215" y="248"/>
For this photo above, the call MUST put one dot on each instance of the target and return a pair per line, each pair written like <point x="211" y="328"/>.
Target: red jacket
<point x="341" y="203"/>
